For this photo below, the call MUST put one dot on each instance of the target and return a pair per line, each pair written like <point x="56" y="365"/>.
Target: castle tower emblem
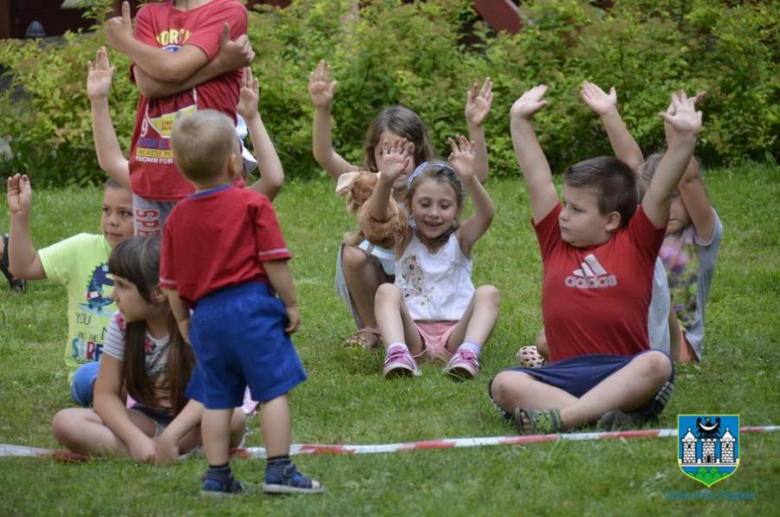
<point x="708" y="446"/>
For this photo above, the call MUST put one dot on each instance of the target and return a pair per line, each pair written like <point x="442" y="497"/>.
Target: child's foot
<point x="620" y="421"/>
<point x="366" y="337"/>
<point x="400" y="363"/>
<point x="464" y="365"/>
<point x="538" y="421"/>
<point x="289" y="481"/>
<point x="213" y="487"/>
<point x="529" y="357"/>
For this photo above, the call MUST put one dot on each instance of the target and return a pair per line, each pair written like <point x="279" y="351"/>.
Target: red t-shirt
<point x="595" y="299"/>
<point x="153" y="174"/>
<point x="219" y="238"/>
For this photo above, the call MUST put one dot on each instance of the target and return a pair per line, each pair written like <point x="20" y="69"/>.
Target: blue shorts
<point x="579" y="375"/>
<point x="239" y="340"/>
<point x="83" y="386"/>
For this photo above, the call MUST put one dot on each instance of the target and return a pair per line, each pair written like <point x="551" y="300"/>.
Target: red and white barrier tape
<point x="447" y="443"/>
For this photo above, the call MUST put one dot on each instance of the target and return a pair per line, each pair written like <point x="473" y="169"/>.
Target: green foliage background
<point x="425" y="55"/>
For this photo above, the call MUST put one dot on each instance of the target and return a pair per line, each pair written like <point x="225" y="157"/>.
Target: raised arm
<point x="321" y="89"/>
<point x="111" y="409"/>
<point x="22" y="256"/>
<point x="605" y="106"/>
<point x="529" y="154"/>
<point x="478" y="102"/>
<point x="233" y="54"/>
<point x="109" y="154"/>
<point x="691" y="187"/>
<point x="686" y="122"/>
<point x="271" y="171"/>
<point x="462" y="159"/>
<point x="395" y="159"/>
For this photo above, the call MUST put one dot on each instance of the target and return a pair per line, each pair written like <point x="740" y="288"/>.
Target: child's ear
<point x="158" y="295"/>
<point x="613" y="222"/>
<point x="235" y="165"/>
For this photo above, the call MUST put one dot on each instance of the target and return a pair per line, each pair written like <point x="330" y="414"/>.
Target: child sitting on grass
<point x="361" y="269"/>
<point x="146" y="357"/>
<point x="598" y="252"/>
<point x="689" y="253"/>
<point x="80" y="264"/>
<point x="224" y="256"/>
<point x="432" y="309"/>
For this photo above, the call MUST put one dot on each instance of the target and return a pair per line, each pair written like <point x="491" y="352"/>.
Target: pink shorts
<point x="434" y="337"/>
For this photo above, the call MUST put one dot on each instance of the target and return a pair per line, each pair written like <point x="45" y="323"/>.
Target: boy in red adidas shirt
<point x="174" y="50"/>
<point x="598" y="252"/>
<point x="224" y="256"/>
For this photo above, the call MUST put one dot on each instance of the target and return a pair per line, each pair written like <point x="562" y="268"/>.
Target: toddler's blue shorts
<point x="579" y="375"/>
<point x="239" y="340"/>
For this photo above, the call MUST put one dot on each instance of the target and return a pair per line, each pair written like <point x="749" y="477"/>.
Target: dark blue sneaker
<point x="290" y="481"/>
<point x="216" y="488"/>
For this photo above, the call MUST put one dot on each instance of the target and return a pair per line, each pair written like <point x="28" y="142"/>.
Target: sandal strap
<point x="543" y="421"/>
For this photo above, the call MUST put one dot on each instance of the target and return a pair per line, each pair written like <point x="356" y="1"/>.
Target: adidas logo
<point x="591" y="275"/>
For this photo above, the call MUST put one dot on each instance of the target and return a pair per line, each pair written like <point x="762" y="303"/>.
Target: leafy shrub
<point x="415" y="54"/>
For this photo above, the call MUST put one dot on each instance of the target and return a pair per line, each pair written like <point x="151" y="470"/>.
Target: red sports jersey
<point x="153" y="174"/>
<point x="595" y="299"/>
<point x="218" y="238"/>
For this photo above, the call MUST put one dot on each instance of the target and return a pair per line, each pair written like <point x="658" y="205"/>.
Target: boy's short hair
<point x="614" y="182"/>
<point x="202" y="143"/>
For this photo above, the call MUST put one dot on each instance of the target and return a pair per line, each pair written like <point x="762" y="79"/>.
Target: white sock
<point x="397" y="346"/>
<point x="476" y="348"/>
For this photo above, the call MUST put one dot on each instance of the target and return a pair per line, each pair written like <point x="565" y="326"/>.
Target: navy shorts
<point x="239" y="340"/>
<point x="579" y="375"/>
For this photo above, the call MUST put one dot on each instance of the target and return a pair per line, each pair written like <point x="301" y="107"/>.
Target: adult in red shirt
<point x="598" y="252"/>
<point x="174" y="51"/>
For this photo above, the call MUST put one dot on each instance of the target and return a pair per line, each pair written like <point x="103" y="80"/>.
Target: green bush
<point x="415" y="54"/>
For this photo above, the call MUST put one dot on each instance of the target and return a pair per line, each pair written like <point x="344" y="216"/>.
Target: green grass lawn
<point x="345" y="399"/>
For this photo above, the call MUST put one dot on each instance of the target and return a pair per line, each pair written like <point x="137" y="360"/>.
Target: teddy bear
<point x="358" y="187"/>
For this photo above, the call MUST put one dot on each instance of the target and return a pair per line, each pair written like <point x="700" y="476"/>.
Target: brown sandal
<point x="366" y="337"/>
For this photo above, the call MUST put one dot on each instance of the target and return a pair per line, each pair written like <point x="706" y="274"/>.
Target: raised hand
<point x="395" y="159"/>
<point x="19" y="195"/>
<point x="668" y="128"/>
<point x="682" y="116"/>
<point x="321" y="86"/>
<point x="120" y="28"/>
<point x="478" y="102"/>
<point x="462" y="157"/>
<point x="100" y="75"/>
<point x="529" y="103"/>
<point x="234" y="54"/>
<point x="597" y="100"/>
<point x="248" y="96"/>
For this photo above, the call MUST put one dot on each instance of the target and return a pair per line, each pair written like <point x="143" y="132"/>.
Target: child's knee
<point x="505" y="384"/>
<point x="488" y="294"/>
<point x="388" y="294"/>
<point x="656" y="365"/>
<point x="63" y="425"/>
<point x="353" y="258"/>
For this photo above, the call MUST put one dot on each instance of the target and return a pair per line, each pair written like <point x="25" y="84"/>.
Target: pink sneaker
<point x="463" y="365"/>
<point x="400" y="363"/>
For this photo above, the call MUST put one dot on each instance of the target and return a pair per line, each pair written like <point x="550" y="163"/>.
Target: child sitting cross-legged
<point x="598" y="252"/>
<point x="224" y="257"/>
<point x="432" y="309"/>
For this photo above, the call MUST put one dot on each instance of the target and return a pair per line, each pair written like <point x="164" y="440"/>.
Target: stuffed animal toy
<point x="358" y="187"/>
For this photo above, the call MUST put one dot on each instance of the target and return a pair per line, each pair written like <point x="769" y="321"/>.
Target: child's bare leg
<point x="675" y="338"/>
<point x="541" y="344"/>
<point x="478" y="321"/>
<point x="517" y="389"/>
<point x="194" y="437"/>
<point x="395" y="322"/>
<point x="625" y="390"/>
<point x="277" y="426"/>
<point x="216" y="435"/>
<point x="363" y="276"/>
<point x="83" y="431"/>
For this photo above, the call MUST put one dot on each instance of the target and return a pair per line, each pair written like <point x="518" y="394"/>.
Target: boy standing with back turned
<point x="598" y="252"/>
<point x="224" y="256"/>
